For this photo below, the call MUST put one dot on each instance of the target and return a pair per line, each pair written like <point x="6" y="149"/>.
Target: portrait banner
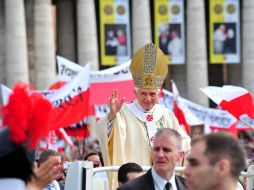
<point x="224" y="31"/>
<point x="115" y="39"/>
<point x="169" y="29"/>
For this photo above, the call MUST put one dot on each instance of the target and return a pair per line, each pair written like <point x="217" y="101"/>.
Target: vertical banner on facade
<point x="115" y="43"/>
<point x="169" y="29"/>
<point x="224" y="29"/>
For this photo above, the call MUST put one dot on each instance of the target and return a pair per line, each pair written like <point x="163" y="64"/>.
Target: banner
<point x="115" y="39"/>
<point x="169" y="29"/>
<point x="224" y="28"/>
<point x="102" y="82"/>
<point x="66" y="69"/>
<point x="213" y="118"/>
<point x="71" y="102"/>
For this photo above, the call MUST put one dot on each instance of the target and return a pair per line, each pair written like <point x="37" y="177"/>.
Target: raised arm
<point x="114" y="105"/>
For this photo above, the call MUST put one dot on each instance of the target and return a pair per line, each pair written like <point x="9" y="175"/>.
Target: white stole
<point x="148" y="118"/>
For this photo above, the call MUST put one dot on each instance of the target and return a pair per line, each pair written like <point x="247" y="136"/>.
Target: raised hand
<point x="44" y="174"/>
<point x="114" y="104"/>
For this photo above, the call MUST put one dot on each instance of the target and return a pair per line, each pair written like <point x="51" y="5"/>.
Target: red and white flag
<point x="177" y="110"/>
<point x="182" y="112"/>
<point x="71" y="102"/>
<point x="102" y="82"/>
<point x="61" y="133"/>
<point x="236" y="100"/>
<point x="181" y="118"/>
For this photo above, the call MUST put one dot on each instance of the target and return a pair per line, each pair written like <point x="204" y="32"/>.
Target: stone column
<point x="44" y="44"/>
<point x="141" y="24"/>
<point x="66" y="45"/>
<point x="87" y="33"/>
<point x="16" y="47"/>
<point x="197" y="70"/>
<point x="247" y="45"/>
<point x="29" y="12"/>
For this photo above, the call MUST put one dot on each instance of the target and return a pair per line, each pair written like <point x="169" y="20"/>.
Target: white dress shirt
<point x="159" y="182"/>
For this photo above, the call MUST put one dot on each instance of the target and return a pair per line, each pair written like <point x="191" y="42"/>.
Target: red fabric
<point x="28" y="115"/>
<point x="71" y="111"/>
<point x="61" y="133"/>
<point x="78" y="131"/>
<point x="239" y="106"/>
<point x="181" y="117"/>
<point x="233" y="130"/>
<point x="91" y="111"/>
<point x="57" y="85"/>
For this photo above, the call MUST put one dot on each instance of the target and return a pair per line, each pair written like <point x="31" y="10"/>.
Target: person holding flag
<point x="126" y="133"/>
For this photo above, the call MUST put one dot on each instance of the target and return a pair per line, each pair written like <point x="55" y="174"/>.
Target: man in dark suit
<point x="166" y="152"/>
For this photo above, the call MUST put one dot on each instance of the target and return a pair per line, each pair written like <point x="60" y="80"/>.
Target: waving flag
<point x="79" y="129"/>
<point x="183" y="114"/>
<point x="67" y="69"/>
<point x="71" y="102"/>
<point x="102" y="82"/>
<point x="181" y="118"/>
<point x="105" y="81"/>
<point x="61" y="133"/>
<point x="177" y="110"/>
<point x="236" y="100"/>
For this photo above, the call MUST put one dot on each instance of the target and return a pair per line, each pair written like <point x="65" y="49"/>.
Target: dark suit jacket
<point x="145" y="182"/>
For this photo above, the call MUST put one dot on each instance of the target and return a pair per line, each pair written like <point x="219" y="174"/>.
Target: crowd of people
<point x="141" y="133"/>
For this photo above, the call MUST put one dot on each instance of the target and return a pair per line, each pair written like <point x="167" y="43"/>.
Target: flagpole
<point x="246" y="123"/>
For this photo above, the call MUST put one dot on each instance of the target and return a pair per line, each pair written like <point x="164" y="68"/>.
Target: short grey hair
<point x="137" y="88"/>
<point x="168" y="132"/>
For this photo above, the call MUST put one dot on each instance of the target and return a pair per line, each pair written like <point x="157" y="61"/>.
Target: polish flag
<point x="182" y="112"/>
<point x="181" y="118"/>
<point x="177" y="110"/>
<point x="236" y="100"/>
<point x="61" y="133"/>
<point x="102" y="82"/>
<point x="48" y="94"/>
<point x="71" y="102"/>
<point x="80" y="129"/>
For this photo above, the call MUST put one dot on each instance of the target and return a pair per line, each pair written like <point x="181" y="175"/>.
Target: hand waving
<point x="114" y="104"/>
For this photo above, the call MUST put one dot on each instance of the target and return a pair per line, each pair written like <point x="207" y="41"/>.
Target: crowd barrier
<point x="80" y="176"/>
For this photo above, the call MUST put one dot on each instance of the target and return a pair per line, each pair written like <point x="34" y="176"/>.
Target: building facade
<point x="32" y="32"/>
